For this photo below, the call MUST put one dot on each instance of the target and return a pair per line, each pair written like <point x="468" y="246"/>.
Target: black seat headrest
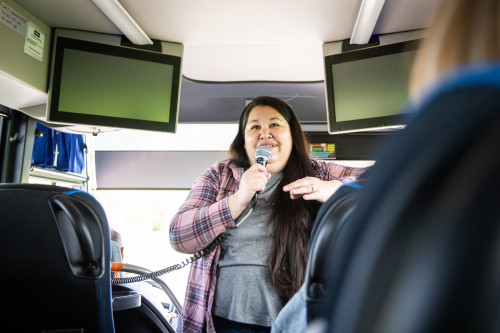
<point x="55" y="244"/>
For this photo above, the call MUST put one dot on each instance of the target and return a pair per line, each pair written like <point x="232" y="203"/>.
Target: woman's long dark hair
<point x="291" y="221"/>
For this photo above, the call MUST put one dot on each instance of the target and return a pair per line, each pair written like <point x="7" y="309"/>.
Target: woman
<point x="247" y="279"/>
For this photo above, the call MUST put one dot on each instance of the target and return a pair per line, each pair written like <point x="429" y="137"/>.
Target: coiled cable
<point x="150" y="276"/>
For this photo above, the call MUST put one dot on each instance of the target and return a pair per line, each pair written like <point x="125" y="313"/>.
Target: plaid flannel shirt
<point x="202" y="217"/>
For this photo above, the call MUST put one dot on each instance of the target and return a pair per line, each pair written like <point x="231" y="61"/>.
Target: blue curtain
<point x="43" y="148"/>
<point x="58" y="150"/>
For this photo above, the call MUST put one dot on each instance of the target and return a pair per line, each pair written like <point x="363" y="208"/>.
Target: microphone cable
<point x="150" y="276"/>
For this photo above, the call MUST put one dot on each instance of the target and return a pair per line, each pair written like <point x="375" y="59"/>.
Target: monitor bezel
<point x="383" y="123"/>
<point x="60" y="116"/>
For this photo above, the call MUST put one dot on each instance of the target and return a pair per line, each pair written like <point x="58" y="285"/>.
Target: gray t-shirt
<point x="244" y="290"/>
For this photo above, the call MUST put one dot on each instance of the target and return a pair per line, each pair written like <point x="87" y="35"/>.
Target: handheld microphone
<point x="262" y="156"/>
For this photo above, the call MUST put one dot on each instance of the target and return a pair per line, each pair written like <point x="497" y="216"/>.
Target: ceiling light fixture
<point x="123" y="21"/>
<point x="368" y="15"/>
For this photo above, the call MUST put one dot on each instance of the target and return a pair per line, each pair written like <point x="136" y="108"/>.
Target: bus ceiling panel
<point x="218" y="102"/>
<point x="404" y="15"/>
<point x="254" y="63"/>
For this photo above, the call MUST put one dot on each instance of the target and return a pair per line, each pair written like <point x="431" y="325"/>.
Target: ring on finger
<point x="313" y="189"/>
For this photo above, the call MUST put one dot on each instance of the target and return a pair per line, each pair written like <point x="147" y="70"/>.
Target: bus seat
<point x="146" y="318"/>
<point x="158" y="311"/>
<point x="427" y="257"/>
<point x="325" y="256"/>
<point x="54" y="246"/>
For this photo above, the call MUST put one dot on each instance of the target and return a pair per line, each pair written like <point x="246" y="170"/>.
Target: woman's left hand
<point x="312" y="188"/>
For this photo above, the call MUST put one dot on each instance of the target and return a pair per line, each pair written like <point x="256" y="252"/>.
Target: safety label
<point x="34" y="42"/>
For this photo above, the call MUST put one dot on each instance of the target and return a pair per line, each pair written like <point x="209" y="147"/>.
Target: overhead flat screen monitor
<point x="104" y="85"/>
<point x="366" y="89"/>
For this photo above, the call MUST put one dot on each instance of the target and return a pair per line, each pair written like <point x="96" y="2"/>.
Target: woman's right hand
<point x="253" y="181"/>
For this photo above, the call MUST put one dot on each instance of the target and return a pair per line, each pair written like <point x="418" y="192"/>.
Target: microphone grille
<point x="263" y="152"/>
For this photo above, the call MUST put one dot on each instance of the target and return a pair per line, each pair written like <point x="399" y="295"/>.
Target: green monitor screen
<point x="112" y="86"/>
<point x="367" y="88"/>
